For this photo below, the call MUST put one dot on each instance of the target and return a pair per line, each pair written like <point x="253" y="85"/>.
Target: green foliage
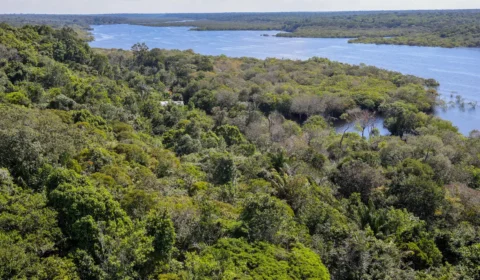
<point x="231" y="134"/>
<point x="358" y="177"/>
<point x="98" y="180"/>
<point x="132" y="153"/>
<point x="471" y="260"/>
<point x="402" y="118"/>
<point x="423" y="254"/>
<point x="234" y="258"/>
<point x="161" y="228"/>
<point x="77" y="202"/>
<point x="17" y="98"/>
<point x="315" y="122"/>
<point x="203" y="99"/>
<point x="267" y="219"/>
<point x="420" y="196"/>
<point x="305" y="264"/>
<point x="223" y="169"/>
<point x="28" y="231"/>
<point x="86" y="116"/>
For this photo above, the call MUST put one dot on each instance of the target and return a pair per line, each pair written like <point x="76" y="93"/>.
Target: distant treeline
<point x="447" y="28"/>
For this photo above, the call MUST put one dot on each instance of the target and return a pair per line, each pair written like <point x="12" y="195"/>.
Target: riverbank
<point x="440" y="28"/>
<point x="455" y="69"/>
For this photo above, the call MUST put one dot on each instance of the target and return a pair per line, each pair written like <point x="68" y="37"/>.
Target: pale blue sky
<point x="198" y="6"/>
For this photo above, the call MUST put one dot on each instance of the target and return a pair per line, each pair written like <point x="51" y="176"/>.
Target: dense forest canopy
<point x="443" y="28"/>
<point x="247" y="180"/>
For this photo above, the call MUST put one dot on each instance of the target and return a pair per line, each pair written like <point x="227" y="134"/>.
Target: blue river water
<point x="457" y="70"/>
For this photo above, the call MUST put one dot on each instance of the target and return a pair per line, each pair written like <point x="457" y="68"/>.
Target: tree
<point x="307" y="105"/>
<point x="140" y="48"/>
<point x="427" y="145"/>
<point x="226" y="99"/>
<point x="231" y="134"/>
<point x="56" y="75"/>
<point x="365" y="119"/>
<point x="187" y="145"/>
<point x="18" y="98"/>
<point x="100" y="63"/>
<point x="419" y="195"/>
<point x="237" y="258"/>
<point x="358" y="177"/>
<point x="348" y="119"/>
<point x="267" y="219"/>
<point x="24" y="149"/>
<point x="402" y="118"/>
<point x="203" y="99"/>
<point x="223" y="169"/>
<point x="29" y="235"/>
<point x="159" y="225"/>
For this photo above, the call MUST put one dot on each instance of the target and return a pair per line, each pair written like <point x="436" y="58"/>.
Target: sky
<point x="202" y="6"/>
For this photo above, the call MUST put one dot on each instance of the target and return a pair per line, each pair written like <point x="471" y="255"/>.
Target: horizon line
<point x="263" y="12"/>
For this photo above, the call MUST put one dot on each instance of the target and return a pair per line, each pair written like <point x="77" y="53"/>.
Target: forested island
<point x="102" y="176"/>
<point x="441" y="28"/>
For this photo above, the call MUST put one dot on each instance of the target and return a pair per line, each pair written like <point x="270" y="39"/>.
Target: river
<point x="457" y="70"/>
